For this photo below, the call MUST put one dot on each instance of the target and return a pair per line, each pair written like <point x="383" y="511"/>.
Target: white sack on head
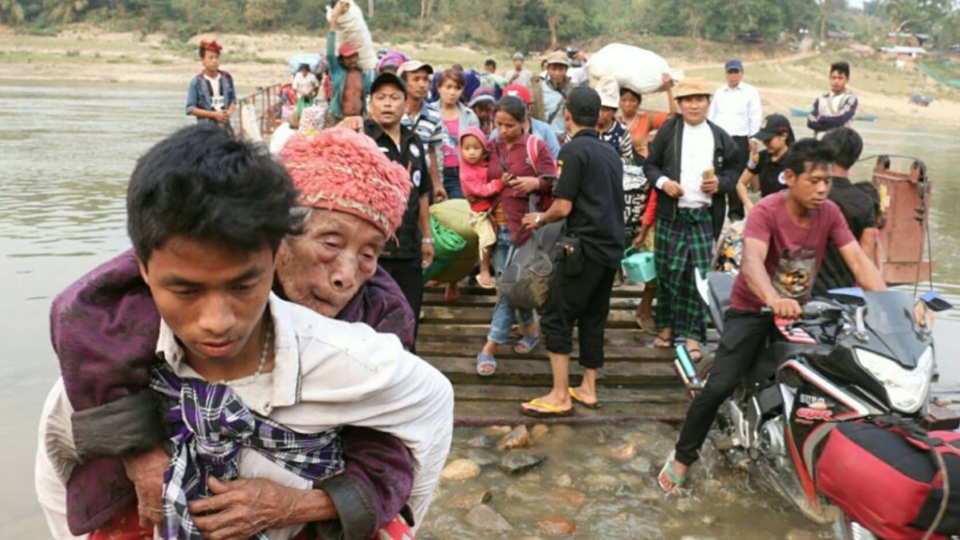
<point x="352" y="28"/>
<point x="638" y="69"/>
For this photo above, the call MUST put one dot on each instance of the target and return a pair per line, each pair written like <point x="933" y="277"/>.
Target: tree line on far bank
<point x="530" y="25"/>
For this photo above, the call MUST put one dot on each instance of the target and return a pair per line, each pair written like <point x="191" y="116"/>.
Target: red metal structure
<point x="905" y="201"/>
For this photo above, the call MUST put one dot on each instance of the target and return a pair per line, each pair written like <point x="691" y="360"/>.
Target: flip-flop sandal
<point x="668" y="470"/>
<point x="485" y="360"/>
<point x="488" y="286"/>
<point x="695" y="355"/>
<point x="526" y="345"/>
<point x="451" y="295"/>
<point x="661" y="343"/>
<point x="576" y="398"/>
<point x="550" y="412"/>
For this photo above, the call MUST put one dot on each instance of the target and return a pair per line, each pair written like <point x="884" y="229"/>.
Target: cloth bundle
<point x="634" y="68"/>
<point x="352" y="28"/>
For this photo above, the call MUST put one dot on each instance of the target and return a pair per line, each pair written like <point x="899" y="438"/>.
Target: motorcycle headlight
<point x="906" y="388"/>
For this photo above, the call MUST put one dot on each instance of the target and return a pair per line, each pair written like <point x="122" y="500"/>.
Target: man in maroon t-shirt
<point x="785" y="239"/>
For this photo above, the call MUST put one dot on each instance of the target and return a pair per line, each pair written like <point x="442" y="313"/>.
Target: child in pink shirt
<point x="482" y="195"/>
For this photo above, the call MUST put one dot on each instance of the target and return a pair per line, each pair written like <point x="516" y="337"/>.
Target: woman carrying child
<point x="524" y="166"/>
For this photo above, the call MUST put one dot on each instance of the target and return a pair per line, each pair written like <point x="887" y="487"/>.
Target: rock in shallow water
<point x="481" y="441"/>
<point x="563" y="480"/>
<point x="624" y="452"/>
<point x="486" y="519"/>
<point x="518" y="438"/>
<point x="519" y="463"/>
<point x="482" y="458"/>
<point x="641" y="465"/>
<point x="536" y="496"/>
<point x="539" y="431"/>
<point x="496" y="431"/>
<point x="461" y="469"/>
<point x="469" y="500"/>
<point x="557" y="526"/>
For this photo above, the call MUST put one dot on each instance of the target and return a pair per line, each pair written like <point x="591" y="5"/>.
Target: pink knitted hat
<point x="339" y="169"/>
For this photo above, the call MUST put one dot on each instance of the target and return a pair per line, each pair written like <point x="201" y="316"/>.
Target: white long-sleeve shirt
<point x="737" y="110"/>
<point x="327" y="373"/>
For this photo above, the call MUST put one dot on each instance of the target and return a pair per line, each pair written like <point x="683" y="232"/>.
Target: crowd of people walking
<point x="269" y="306"/>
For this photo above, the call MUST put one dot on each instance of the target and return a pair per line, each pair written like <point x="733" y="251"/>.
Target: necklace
<point x="246" y="381"/>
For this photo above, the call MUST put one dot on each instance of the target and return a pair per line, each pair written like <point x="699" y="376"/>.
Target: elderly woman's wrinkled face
<point x="323" y="268"/>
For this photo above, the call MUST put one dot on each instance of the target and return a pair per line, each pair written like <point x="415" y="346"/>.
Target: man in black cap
<point x="765" y="174"/>
<point x="405" y="257"/>
<point x="589" y="194"/>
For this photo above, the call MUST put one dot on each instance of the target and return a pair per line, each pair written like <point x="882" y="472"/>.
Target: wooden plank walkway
<point x="637" y="382"/>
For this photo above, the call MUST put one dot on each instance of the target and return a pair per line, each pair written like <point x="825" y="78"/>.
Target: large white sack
<point x="351" y="28"/>
<point x="638" y="69"/>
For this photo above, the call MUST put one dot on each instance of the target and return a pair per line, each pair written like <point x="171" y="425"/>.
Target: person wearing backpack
<point x="524" y="165"/>
<point x="589" y="195"/>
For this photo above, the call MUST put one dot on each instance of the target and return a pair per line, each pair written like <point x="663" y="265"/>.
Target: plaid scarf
<point x="210" y="426"/>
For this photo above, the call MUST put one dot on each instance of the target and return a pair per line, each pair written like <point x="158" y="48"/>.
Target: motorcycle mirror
<point x="936" y="302"/>
<point x="849" y="296"/>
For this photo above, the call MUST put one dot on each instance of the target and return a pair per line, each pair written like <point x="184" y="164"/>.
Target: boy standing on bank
<point x="211" y="96"/>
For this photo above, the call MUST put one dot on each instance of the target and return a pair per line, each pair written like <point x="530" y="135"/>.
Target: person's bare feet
<point x="664" y="339"/>
<point x="693" y="347"/>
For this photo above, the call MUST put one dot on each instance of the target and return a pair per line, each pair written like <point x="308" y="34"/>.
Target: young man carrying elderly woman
<point x="285" y="423"/>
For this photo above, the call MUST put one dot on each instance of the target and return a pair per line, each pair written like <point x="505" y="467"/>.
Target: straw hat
<point x="692" y="86"/>
<point x="609" y="92"/>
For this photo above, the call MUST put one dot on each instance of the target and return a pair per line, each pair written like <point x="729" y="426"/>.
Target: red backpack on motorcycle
<point x="894" y="478"/>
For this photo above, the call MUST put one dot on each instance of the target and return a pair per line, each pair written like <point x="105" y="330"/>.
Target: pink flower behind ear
<point x="341" y="170"/>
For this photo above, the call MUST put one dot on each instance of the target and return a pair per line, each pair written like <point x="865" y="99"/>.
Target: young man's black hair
<point x="490" y="63"/>
<point x="204" y="183"/>
<point x="846" y="144"/>
<point x="808" y="151"/>
<point x="841" y="67"/>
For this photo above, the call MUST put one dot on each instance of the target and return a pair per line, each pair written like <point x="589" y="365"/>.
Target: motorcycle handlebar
<point x="809" y="313"/>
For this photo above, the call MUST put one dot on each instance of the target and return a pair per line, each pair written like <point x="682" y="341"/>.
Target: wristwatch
<point x="539" y="217"/>
<point x="429" y="241"/>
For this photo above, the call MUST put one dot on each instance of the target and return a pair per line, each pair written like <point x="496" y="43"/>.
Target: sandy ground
<point x="88" y="55"/>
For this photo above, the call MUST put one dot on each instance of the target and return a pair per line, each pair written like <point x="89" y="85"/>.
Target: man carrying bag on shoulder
<point x="589" y="195"/>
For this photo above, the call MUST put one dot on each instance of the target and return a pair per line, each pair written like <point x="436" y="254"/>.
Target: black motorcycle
<point x="851" y="356"/>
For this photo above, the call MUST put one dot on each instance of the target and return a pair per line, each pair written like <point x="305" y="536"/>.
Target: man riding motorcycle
<point x="786" y="237"/>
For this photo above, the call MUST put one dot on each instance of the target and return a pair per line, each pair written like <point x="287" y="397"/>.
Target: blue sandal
<point x="526" y="345"/>
<point x="485" y="361"/>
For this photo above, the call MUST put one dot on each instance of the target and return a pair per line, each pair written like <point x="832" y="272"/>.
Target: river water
<point x="65" y="156"/>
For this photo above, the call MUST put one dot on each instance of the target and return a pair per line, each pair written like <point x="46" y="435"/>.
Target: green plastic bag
<point x="447" y="247"/>
<point x="455" y="215"/>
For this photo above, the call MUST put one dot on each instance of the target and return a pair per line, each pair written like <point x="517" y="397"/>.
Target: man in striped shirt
<point x="423" y="118"/>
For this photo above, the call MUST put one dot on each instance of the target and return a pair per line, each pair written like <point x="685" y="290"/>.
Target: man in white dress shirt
<point x="737" y="109"/>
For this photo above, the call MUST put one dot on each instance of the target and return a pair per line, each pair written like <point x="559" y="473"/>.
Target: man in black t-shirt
<point x="765" y="173"/>
<point x="857" y="208"/>
<point x="405" y="257"/>
<point x="589" y="194"/>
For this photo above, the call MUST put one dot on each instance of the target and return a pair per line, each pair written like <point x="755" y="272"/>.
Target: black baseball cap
<point x="388" y="78"/>
<point x="773" y="125"/>
<point x="584" y="104"/>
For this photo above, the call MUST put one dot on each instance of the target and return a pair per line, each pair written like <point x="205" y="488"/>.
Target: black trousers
<point x="734" y="205"/>
<point x="409" y="276"/>
<point x="744" y="334"/>
<point x="584" y="300"/>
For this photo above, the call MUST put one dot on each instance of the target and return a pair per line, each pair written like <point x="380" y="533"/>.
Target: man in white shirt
<point x="737" y="109"/>
<point x="305" y="84"/>
<point x="692" y="180"/>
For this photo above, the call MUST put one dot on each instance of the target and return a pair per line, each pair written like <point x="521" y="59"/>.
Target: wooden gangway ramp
<point x="637" y="382"/>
